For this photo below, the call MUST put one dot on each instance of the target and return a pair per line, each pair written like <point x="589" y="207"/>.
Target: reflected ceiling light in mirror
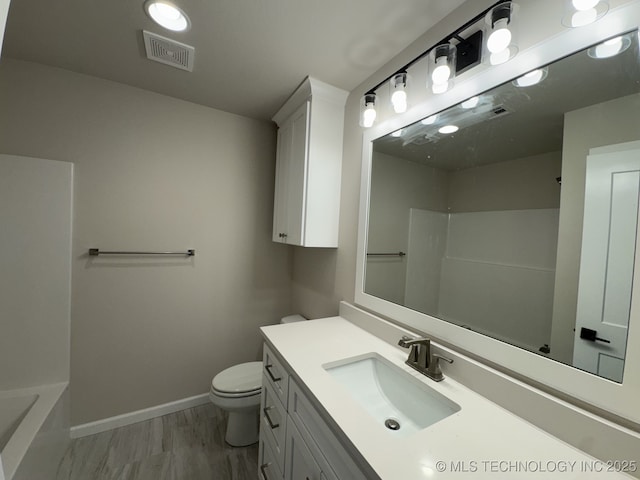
<point x="500" y="46"/>
<point x="448" y="129"/>
<point x="611" y="47"/>
<point x="397" y="133"/>
<point x="532" y="78"/>
<point x="579" y="13"/>
<point x="399" y="92"/>
<point x="442" y="67"/>
<point x="167" y="15"/>
<point x="368" y="110"/>
<point x="470" y="103"/>
<point x="429" y="120"/>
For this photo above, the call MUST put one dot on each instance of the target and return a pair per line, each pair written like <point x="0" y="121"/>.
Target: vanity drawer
<point x="273" y="421"/>
<point x="334" y="462"/>
<point x="276" y="375"/>
<point x="267" y="461"/>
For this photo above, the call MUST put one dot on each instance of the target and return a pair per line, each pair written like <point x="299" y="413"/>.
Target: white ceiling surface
<point x="249" y="54"/>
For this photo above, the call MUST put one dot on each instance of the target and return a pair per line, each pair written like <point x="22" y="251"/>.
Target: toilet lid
<point x="245" y="377"/>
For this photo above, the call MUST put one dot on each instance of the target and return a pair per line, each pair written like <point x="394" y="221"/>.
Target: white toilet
<point x="237" y="390"/>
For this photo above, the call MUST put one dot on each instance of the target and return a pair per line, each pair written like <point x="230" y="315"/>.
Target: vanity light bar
<point x="467" y="57"/>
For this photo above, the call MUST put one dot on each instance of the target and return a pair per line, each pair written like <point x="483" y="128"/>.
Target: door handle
<point x="590" y="335"/>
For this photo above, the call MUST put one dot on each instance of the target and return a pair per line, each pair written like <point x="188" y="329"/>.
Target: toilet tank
<point x="292" y="318"/>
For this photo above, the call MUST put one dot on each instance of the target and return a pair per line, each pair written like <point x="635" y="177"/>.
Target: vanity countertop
<point x="481" y="441"/>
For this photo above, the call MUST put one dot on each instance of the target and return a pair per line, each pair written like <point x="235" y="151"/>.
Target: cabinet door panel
<point x="299" y="463"/>
<point x="283" y="157"/>
<point x="267" y="461"/>
<point x="297" y="176"/>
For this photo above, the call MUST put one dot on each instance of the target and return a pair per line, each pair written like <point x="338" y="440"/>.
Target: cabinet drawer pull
<point x="268" y="369"/>
<point x="263" y="470"/>
<point x="268" y="417"/>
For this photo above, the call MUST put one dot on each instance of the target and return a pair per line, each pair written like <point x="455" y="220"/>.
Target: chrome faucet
<point x="422" y="359"/>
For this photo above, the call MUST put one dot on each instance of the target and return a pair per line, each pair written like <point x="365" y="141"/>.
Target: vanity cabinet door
<point x="299" y="462"/>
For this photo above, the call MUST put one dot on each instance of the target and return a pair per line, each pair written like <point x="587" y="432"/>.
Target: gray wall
<point x="397" y="185"/>
<point x="35" y="271"/>
<point x="153" y="172"/>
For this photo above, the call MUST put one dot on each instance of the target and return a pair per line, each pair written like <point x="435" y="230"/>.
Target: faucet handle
<point x="433" y="371"/>
<point x="442" y="357"/>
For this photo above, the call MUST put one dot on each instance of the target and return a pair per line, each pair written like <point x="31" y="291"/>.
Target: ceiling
<point x="249" y="54"/>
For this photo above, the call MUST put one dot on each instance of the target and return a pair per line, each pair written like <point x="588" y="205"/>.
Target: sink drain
<point x="392" y="424"/>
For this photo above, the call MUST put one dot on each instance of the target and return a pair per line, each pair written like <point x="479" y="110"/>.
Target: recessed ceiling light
<point x="167" y="15"/>
<point x="448" y="129"/>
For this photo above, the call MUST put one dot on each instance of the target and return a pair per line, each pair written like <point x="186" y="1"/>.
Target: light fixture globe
<point x="430" y="120"/>
<point x="500" y="32"/>
<point x="610" y="48"/>
<point x="442" y="67"/>
<point x="531" y="78"/>
<point x="584" y="4"/>
<point x="167" y="15"/>
<point x="368" y="112"/>
<point x="578" y="13"/>
<point x="398" y="96"/>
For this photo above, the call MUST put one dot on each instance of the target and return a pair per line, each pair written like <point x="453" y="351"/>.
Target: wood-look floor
<point x="187" y="445"/>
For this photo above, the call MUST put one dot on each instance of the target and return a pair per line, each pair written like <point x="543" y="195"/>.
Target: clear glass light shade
<point x="399" y="92"/>
<point x="501" y="34"/>
<point x="368" y="112"/>
<point x="611" y="47"/>
<point x="167" y="15"/>
<point x="579" y="13"/>
<point x="532" y="78"/>
<point x="442" y="67"/>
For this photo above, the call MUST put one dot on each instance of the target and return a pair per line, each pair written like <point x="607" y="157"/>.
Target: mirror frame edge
<point x="618" y="399"/>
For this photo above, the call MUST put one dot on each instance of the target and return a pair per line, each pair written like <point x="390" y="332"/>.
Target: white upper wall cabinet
<point x="308" y="166"/>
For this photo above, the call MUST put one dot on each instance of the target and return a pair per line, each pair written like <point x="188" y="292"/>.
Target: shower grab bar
<point x="397" y="254"/>
<point x="94" y="252"/>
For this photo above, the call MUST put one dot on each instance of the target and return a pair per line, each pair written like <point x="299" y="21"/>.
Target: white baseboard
<point x="110" y="423"/>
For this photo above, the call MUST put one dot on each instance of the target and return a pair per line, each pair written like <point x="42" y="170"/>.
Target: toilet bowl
<point x="238" y="390"/>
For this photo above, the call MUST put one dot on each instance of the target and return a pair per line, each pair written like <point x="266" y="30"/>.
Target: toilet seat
<point x="241" y="380"/>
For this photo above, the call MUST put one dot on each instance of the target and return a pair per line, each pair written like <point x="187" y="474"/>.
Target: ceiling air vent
<point x="169" y="52"/>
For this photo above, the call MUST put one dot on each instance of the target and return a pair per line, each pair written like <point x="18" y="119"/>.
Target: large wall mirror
<point x="472" y="226"/>
<point x="514" y="214"/>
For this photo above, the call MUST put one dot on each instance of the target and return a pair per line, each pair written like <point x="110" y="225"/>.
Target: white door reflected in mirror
<point x="606" y="272"/>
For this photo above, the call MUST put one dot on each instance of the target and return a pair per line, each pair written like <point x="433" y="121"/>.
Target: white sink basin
<point x="390" y="395"/>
